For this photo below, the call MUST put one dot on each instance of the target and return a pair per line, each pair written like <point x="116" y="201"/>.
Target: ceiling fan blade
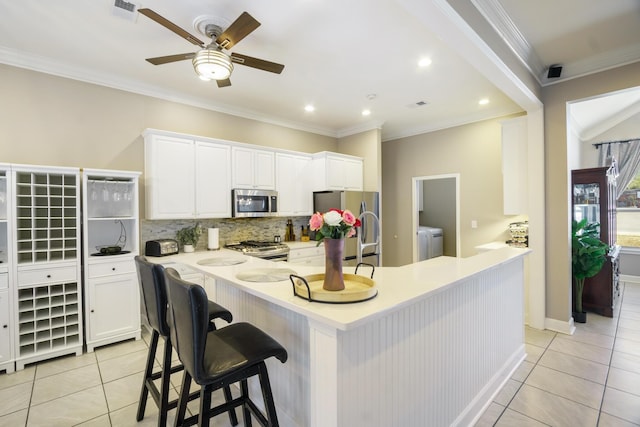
<point x="171" y="58"/>
<point x="241" y="28"/>
<point x="171" y="26"/>
<point x="260" y="64"/>
<point x="224" y="83"/>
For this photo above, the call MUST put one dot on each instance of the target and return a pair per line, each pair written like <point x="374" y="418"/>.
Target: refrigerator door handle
<point x="363" y="220"/>
<point x="361" y="243"/>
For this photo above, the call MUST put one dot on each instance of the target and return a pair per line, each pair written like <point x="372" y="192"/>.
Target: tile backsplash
<point x="231" y="229"/>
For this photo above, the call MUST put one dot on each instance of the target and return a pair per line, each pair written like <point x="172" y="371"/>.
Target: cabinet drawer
<point x="47" y="275"/>
<point x="4" y="281"/>
<point x="312" y="251"/>
<point x="109" y="268"/>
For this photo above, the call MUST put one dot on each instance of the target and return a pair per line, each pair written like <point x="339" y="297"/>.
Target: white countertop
<point x="397" y="286"/>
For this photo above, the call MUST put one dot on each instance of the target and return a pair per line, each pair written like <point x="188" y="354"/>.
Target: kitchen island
<point x="431" y="349"/>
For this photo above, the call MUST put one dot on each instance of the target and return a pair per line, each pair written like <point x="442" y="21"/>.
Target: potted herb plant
<point x="188" y="237"/>
<point x="588" y="254"/>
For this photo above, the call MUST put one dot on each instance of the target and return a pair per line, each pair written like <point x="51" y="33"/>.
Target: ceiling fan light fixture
<point x="212" y="64"/>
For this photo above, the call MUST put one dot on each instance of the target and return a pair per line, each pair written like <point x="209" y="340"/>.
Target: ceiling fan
<point x="211" y="62"/>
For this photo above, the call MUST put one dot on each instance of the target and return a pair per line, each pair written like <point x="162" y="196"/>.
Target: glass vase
<point x="333" y="254"/>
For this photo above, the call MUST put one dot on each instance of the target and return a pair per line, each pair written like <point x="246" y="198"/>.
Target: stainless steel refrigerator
<point x="368" y="235"/>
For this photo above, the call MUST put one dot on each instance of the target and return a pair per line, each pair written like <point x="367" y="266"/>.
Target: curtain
<point x="627" y="156"/>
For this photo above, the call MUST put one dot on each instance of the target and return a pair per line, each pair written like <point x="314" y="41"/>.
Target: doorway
<point x="436" y="203"/>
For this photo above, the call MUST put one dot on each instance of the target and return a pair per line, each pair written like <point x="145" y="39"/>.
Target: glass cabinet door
<point x="586" y="202"/>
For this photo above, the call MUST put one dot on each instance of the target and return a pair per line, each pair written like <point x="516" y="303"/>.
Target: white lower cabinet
<point x="6" y="358"/>
<point x="113" y="311"/>
<point x="311" y="255"/>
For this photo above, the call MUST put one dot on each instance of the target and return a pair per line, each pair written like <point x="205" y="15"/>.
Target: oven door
<point x="254" y="203"/>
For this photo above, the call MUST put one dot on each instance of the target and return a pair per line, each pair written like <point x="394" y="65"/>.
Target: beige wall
<point x="557" y="176"/>
<point x="48" y="120"/>
<point x="474" y="152"/>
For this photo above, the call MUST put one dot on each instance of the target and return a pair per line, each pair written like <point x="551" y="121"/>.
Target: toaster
<point x="161" y="247"/>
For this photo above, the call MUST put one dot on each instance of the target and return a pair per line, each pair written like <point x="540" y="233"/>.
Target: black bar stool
<point x="219" y="358"/>
<point x="154" y="297"/>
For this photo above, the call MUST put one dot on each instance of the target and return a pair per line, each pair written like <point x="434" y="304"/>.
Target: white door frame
<point x="414" y="209"/>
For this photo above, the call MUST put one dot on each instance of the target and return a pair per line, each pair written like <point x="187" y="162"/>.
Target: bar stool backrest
<point x="188" y="317"/>
<point x="154" y="293"/>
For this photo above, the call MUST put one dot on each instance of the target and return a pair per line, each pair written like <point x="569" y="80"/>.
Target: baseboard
<point x="564" y="327"/>
<point x="481" y="402"/>
<point x="629" y="278"/>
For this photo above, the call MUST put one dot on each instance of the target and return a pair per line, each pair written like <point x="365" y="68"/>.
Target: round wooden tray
<point x="357" y="289"/>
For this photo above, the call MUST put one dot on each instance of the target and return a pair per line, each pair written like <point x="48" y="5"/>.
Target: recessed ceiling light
<point x="309" y="108"/>
<point x="483" y="101"/>
<point x="366" y="112"/>
<point x="424" y="62"/>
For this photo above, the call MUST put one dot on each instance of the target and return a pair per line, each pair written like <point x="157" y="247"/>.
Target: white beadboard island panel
<point x="431" y="349"/>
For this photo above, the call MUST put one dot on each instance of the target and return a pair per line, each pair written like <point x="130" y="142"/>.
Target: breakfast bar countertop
<point x="414" y="339"/>
<point x="397" y="286"/>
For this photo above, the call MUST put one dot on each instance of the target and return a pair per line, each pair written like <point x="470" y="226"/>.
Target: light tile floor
<point x="591" y="378"/>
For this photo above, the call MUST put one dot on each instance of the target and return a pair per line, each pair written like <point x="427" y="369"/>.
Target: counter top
<point x="397" y="287"/>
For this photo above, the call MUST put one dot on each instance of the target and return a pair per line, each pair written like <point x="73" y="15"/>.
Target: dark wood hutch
<point x="594" y="198"/>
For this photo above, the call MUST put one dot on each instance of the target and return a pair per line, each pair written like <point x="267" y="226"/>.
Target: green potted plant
<point x="588" y="254"/>
<point x="188" y="237"/>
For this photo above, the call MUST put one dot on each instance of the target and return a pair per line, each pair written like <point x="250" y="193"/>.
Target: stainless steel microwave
<point x="253" y="203"/>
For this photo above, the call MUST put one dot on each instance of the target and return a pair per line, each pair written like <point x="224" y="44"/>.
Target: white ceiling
<point x="336" y="54"/>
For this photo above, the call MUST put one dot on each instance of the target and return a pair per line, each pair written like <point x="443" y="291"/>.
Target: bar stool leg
<point x="144" y="393"/>
<point x="233" y="418"/>
<point x="205" y="404"/>
<point x="246" y="413"/>
<point x="164" y="379"/>
<point x="267" y="395"/>
<point x="183" y="399"/>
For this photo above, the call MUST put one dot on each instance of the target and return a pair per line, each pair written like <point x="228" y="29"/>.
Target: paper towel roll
<point x="213" y="234"/>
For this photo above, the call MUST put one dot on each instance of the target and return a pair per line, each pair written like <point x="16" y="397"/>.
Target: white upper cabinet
<point x="186" y="178"/>
<point x="169" y="170"/>
<point x="514" y="166"/>
<point x="253" y="169"/>
<point x="213" y="180"/>
<point x="192" y="177"/>
<point x="293" y="184"/>
<point x="333" y="171"/>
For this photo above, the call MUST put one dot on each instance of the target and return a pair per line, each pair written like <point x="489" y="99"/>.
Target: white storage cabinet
<point x="7" y="362"/>
<point x="293" y="183"/>
<point x="333" y="171"/>
<point x="186" y="177"/>
<point x="112" y="296"/>
<point x="514" y="166"/>
<point x="46" y="249"/>
<point x="253" y="169"/>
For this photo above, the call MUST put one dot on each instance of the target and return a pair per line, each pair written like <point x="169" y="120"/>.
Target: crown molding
<point x="354" y="130"/>
<point x="597" y="63"/>
<point x="48" y="66"/>
<point x="501" y="22"/>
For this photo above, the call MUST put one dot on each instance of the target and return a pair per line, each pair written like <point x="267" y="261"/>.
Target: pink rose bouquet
<point x="335" y="224"/>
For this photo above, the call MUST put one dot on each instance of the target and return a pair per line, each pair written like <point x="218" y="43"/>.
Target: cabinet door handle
<point x="92" y="310"/>
<point x="5" y="326"/>
<point x="113" y="269"/>
<point x="48" y="276"/>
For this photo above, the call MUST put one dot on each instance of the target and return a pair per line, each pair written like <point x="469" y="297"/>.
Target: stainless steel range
<point x="266" y="250"/>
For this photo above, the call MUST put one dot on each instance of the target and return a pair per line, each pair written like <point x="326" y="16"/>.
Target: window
<point x="628" y="215"/>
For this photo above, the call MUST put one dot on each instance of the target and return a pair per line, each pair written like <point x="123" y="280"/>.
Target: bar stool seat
<point x="154" y="296"/>
<point x="218" y="358"/>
